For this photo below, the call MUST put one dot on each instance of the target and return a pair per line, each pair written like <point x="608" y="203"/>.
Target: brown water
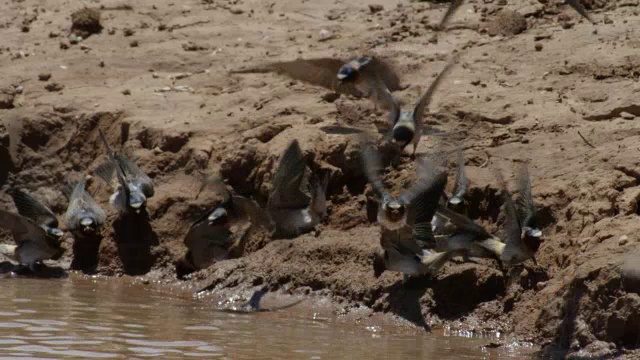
<point x="107" y="318"/>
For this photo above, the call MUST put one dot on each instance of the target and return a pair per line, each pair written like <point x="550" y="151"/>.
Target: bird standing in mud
<point x="132" y="187"/>
<point x="35" y="231"/>
<point x="297" y="202"/>
<point x="84" y="217"/>
<point x="405" y="221"/>
<point x="406" y="125"/>
<point x="212" y="237"/>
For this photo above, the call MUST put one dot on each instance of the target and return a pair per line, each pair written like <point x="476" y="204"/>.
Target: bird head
<point x="218" y="215"/>
<point x="54" y="233"/>
<point x="394" y="210"/>
<point x="137" y="201"/>
<point x="404" y="130"/>
<point x="88" y="225"/>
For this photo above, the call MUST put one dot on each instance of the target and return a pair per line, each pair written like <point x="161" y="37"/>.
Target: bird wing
<point x="252" y="212"/>
<point x="512" y="229"/>
<point x="524" y="200"/>
<point x="82" y="204"/>
<point x="135" y="175"/>
<point x="23" y="228"/>
<point x="290" y="181"/>
<point x="461" y="182"/>
<point x="579" y="8"/>
<point x="463" y="223"/>
<point x="401" y="241"/>
<point x="373" y="168"/>
<point x="425" y="99"/>
<point x="319" y="72"/>
<point x="455" y="4"/>
<point x="32" y="208"/>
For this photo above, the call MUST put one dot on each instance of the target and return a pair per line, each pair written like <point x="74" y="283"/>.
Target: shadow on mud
<point x="134" y="239"/>
<point x="86" y="251"/>
<point x="42" y="271"/>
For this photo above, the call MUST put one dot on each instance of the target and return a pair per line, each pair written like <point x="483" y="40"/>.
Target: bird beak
<point x="57" y="233"/>
<point x="455" y="200"/>
<point x="342" y="76"/>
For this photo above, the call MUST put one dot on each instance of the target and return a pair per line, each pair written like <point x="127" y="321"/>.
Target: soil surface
<point x="536" y="83"/>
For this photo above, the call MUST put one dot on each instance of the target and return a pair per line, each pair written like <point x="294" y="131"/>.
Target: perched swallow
<point x="34" y="231"/>
<point x="405" y="221"/>
<point x="407" y="125"/>
<point x="213" y="236"/>
<point x="349" y="77"/>
<point x="461" y="183"/>
<point x="132" y="187"/>
<point x="516" y="250"/>
<point x="84" y="217"/>
<point x="297" y="203"/>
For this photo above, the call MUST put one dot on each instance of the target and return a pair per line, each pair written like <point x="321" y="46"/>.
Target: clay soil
<point x="535" y="84"/>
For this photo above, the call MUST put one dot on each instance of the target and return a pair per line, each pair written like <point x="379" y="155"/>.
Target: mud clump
<point x="507" y="23"/>
<point x="86" y="22"/>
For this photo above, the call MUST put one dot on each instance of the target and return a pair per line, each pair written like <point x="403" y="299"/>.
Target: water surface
<point x="88" y="318"/>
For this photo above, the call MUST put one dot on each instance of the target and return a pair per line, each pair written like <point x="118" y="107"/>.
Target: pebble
<point x="44" y="76"/>
<point x="624" y="239"/>
<point x="538" y="47"/>
<point x="325" y="35"/>
<point x="627" y="116"/>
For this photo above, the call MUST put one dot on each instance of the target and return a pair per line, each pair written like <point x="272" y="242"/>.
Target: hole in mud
<point x="134" y="239"/>
<point x="85" y="253"/>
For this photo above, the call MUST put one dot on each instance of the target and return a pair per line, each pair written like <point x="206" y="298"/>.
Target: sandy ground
<point x="156" y="81"/>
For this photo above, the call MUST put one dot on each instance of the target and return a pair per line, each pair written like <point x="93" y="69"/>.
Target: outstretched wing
<point x="23" y="228"/>
<point x="31" y="208"/>
<point x="463" y="223"/>
<point x="319" y="72"/>
<point x="461" y="181"/>
<point x="425" y="196"/>
<point x="425" y="99"/>
<point x="251" y="211"/>
<point x="372" y="168"/>
<point x="455" y="4"/>
<point x="524" y="200"/>
<point x="578" y="7"/>
<point x="290" y="181"/>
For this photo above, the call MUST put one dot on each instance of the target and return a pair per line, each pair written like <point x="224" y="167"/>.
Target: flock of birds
<point x="421" y="229"/>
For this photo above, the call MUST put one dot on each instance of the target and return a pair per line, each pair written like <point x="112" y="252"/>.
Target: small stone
<point x="134" y="43"/>
<point x="157" y="151"/>
<point x="607" y="20"/>
<point x="155" y="75"/>
<point x="44" y="76"/>
<point x="101" y="63"/>
<point x="64" y="45"/>
<point x="53" y="35"/>
<point x="52" y="87"/>
<point x="325" y="35"/>
<point x="624" y="239"/>
<point x="126" y="92"/>
<point x="128" y="32"/>
<point x="25" y="28"/>
<point x="236" y="11"/>
<point x="85" y="22"/>
<point x="538" y="47"/>
<point x="625" y="115"/>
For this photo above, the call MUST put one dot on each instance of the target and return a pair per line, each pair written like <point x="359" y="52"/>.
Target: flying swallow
<point x="297" y="202"/>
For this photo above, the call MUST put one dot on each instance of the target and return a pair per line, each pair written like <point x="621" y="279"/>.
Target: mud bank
<point x="558" y="93"/>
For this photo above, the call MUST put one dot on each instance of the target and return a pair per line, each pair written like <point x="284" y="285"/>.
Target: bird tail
<point x="8" y="251"/>
<point x="434" y="261"/>
<point x="494" y="245"/>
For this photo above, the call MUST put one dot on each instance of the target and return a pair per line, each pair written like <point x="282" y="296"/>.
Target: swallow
<point x="84" y="217"/>
<point x="297" y="202"/>
<point x="526" y="208"/>
<point x="35" y="231"/>
<point x="349" y="77"/>
<point x="213" y="236"/>
<point x="132" y="187"/>
<point x="407" y="125"/>
<point x="517" y="247"/>
<point x="405" y="221"/>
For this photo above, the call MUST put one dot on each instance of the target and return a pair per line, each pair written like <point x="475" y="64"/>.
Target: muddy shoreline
<point x="559" y="94"/>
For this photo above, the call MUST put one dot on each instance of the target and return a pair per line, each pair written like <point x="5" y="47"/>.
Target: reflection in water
<point x="107" y="318"/>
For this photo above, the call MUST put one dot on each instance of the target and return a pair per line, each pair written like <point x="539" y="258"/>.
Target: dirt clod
<point x="86" y="22"/>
